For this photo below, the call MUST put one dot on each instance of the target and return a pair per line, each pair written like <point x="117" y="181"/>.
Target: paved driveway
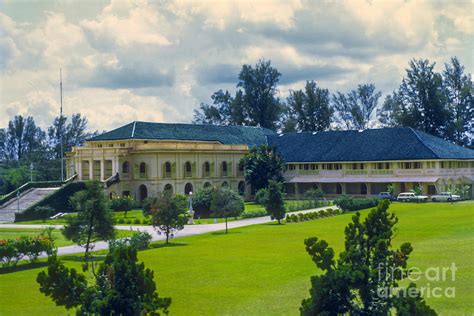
<point x="188" y="230"/>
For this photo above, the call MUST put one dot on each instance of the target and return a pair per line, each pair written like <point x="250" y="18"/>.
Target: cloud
<point x="153" y="60"/>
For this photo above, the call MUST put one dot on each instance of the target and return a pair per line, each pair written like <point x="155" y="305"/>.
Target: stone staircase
<point x="26" y="199"/>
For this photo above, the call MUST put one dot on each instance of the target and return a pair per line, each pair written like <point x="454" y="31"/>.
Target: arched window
<point x="207" y="169"/>
<point x="224" y="168"/>
<point x="167" y="170"/>
<point x="207" y="185"/>
<point x="241" y="187"/>
<point x="187" y="169"/>
<point x="188" y="188"/>
<point x="169" y="187"/>
<point x="125" y="167"/>
<point x="142" y="168"/>
<point x="225" y="184"/>
<point x="363" y="188"/>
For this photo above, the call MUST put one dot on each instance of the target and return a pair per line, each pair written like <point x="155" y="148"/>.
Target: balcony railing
<point x="355" y="172"/>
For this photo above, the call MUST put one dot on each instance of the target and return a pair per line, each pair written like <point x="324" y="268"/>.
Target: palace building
<point x="141" y="159"/>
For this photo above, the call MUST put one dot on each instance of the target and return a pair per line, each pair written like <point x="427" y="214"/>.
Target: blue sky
<point x="158" y="60"/>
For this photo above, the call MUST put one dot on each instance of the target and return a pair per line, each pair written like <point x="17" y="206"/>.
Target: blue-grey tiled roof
<point x="229" y="135"/>
<point x="368" y="145"/>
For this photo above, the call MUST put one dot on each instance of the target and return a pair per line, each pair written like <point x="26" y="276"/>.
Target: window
<point x="187" y="169"/>
<point x="142" y="168"/>
<point x="417" y="165"/>
<point x="167" y="170"/>
<point x="125" y="167"/>
<point x="111" y="145"/>
<point x="241" y="169"/>
<point x="207" y="169"/>
<point x="387" y="165"/>
<point x="313" y="167"/>
<point x="122" y="145"/>
<point x="306" y="166"/>
<point x="99" y="146"/>
<point x="224" y="168"/>
<point x="354" y="166"/>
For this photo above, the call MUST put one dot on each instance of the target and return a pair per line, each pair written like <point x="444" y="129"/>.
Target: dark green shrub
<point x="258" y="213"/>
<point x="314" y="194"/>
<point x="354" y="204"/>
<point x="120" y="221"/>
<point x="261" y="196"/>
<point x="128" y="221"/>
<point x="294" y="218"/>
<point x="288" y="218"/>
<point x="137" y="221"/>
<point x="121" y="203"/>
<point x="202" y="200"/>
<point x="146" y="205"/>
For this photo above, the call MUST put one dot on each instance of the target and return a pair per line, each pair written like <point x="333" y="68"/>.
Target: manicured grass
<point x="264" y="269"/>
<point x="59" y="240"/>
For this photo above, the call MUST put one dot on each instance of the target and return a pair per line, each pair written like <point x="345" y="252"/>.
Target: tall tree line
<point x="23" y="143"/>
<point x="437" y="103"/>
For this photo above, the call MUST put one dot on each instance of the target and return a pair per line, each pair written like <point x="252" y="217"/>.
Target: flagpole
<point x="61" y="123"/>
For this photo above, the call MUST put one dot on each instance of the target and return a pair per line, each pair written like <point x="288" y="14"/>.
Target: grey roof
<point x="368" y="145"/>
<point x="229" y="135"/>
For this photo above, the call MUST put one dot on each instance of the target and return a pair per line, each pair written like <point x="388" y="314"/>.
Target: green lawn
<point x="59" y="240"/>
<point x="264" y="269"/>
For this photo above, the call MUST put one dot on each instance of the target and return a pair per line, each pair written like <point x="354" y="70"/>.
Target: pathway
<point x="189" y="230"/>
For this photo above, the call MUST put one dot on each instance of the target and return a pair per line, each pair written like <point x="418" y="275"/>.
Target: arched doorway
<point x="241" y="187"/>
<point x="338" y="188"/>
<point x="169" y="187"/>
<point x="142" y="192"/>
<point x="207" y="185"/>
<point x="188" y="188"/>
<point x="363" y="188"/>
<point x="125" y="167"/>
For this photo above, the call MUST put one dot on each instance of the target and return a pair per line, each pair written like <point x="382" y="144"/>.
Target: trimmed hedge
<point x="302" y="217"/>
<point x="349" y="203"/>
<point x="58" y="201"/>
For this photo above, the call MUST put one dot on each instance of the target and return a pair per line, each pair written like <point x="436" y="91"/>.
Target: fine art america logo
<point x="433" y="275"/>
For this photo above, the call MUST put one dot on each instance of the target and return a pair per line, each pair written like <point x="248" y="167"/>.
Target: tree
<point x="261" y="165"/>
<point x="226" y="203"/>
<point x="122" y="286"/>
<point x="362" y="280"/>
<point x="354" y="109"/>
<point x="275" y="205"/>
<point x="94" y="220"/>
<point x="309" y="110"/>
<point x="22" y="140"/>
<point x="255" y="102"/>
<point x="459" y="91"/>
<point x="168" y="213"/>
<point x="419" y="102"/>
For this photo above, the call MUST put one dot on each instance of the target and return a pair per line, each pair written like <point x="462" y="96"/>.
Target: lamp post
<point x="31" y="172"/>
<point x="190" y="210"/>
<point x="18" y="201"/>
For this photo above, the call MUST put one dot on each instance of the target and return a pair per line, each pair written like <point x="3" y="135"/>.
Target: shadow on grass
<point x="23" y="267"/>
<point x="164" y="245"/>
<point x="80" y="258"/>
<point x="223" y="233"/>
<point x="275" y="223"/>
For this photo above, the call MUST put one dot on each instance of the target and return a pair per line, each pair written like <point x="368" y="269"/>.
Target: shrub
<point x="14" y="250"/>
<point x="140" y="240"/>
<point x="121" y="203"/>
<point x="120" y="221"/>
<point x="354" y="204"/>
<point x="146" y="205"/>
<point x="261" y="196"/>
<point x="314" y="194"/>
<point x="137" y="221"/>
<point x="128" y="221"/>
<point x="202" y="200"/>
<point x="288" y="218"/>
<point x="291" y="206"/>
<point x="258" y="213"/>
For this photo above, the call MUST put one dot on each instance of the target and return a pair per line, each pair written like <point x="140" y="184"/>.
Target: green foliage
<point x="168" y="213"/>
<point x="391" y="189"/>
<point x="349" y="203"/>
<point x="257" y="213"/>
<point x="354" y="109"/>
<point x="122" y="204"/>
<point x="122" y="286"/>
<point x="202" y="200"/>
<point x="94" y="220"/>
<point x="226" y="203"/>
<point x="261" y="196"/>
<point x="274" y="203"/>
<point x="314" y="194"/>
<point x="140" y="240"/>
<point x="263" y="164"/>
<point x="309" y="110"/>
<point x="14" y="250"/>
<point x="356" y="275"/>
<point x="419" y="189"/>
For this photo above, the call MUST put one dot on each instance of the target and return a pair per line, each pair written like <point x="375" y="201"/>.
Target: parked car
<point x="386" y="196"/>
<point x="411" y="196"/>
<point x="445" y="197"/>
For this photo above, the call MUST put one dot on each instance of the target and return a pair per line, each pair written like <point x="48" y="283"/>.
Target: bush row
<point x="293" y="206"/>
<point x="257" y="213"/>
<point x="14" y="250"/>
<point x="301" y="217"/>
<point x="136" y="221"/>
<point x="349" y="203"/>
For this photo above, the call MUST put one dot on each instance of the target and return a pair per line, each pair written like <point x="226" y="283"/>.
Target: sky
<point x="158" y="60"/>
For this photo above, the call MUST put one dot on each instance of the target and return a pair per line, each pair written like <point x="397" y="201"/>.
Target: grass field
<point x="264" y="269"/>
<point x="59" y="240"/>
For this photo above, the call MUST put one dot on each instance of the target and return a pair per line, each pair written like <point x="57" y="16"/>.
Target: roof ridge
<point x="133" y="129"/>
<point x="422" y="142"/>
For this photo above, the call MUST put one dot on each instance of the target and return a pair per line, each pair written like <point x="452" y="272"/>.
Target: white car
<point x="445" y="197"/>
<point x="410" y="196"/>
